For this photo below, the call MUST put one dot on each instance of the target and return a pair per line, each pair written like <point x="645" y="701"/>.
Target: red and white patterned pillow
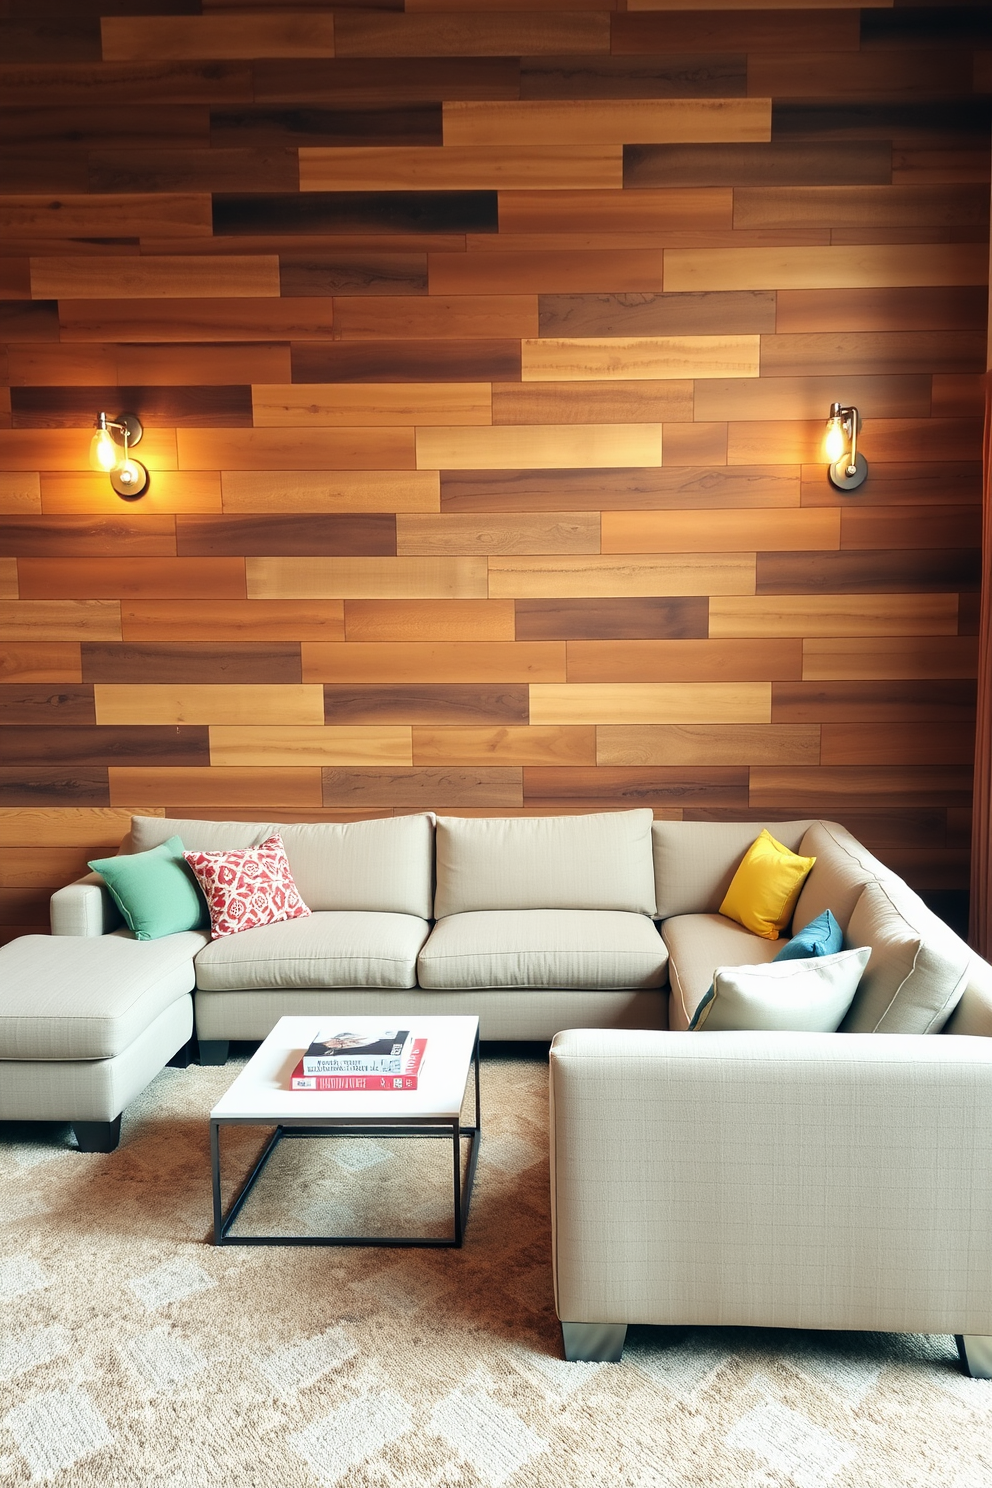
<point x="248" y="887"/>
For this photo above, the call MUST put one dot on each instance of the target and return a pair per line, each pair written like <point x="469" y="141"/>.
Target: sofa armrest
<point x="85" y="907"/>
<point x="773" y="1179"/>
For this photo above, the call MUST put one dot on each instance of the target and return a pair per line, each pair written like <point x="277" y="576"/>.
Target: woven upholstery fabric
<point x="694" y="862"/>
<point x="918" y="967"/>
<point x="835" y="881"/>
<point x="343" y="948"/>
<point x="247" y="887"/>
<point x="697" y="945"/>
<point x="544" y="948"/>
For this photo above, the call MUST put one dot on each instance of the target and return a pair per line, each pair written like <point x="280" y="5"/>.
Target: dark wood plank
<point x="24" y="912"/>
<point x="475" y="33"/>
<point x="97" y="128"/>
<point x="71" y="84"/>
<point x="918" y="826"/>
<point x="60" y="704"/>
<point x="222" y="169"/>
<point x="827" y="790"/>
<point x="921" y="121"/>
<point x="383" y="80"/>
<point x="927" y="25"/>
<point x="874" y="702"/>
<point x="358" y="212"/>
<point x="926" y="743"/>
<point x="676" y="488"/>
<point x="956" y="481"/>
<point x="141" y="535"/>
<point x="120" y="744"/>
<point x="658" y="786"/>
<point x="969" y="613"/>
<point x="667" y="75"/>
<point x="426" y="703"/>
<point x="734" y="30"/>
<point x="938" y="527"/>
<point x="714" y="313"/>
<point x="367" y="273"/>
<point x="425" y="790"/>
<point x="43" y="171"/>
<point x="874" y="571"/>
<point x="263" y="128"/>
<point x="777" y="163"/>
<point x="27" y="320"/>
<point x="868" y="353"/>
<point x="47" y="39"/>
<point x="324" y="534"/>
<point x="190" y="407"/>
<point x="611" y="619"/>
<point x="20" y="8"/>
<point x="935" y="308"/>
<point x="190" y="320"/>
<point x="482" y="360"/>
<point x="197" y="663"/>
<point x="48" y="786"/>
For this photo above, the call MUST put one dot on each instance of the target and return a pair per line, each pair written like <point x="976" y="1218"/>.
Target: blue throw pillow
<point x="821" y="937"/>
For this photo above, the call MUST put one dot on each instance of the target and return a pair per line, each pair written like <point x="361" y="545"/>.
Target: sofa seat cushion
<point x="581" y="949"/>
<point x="333" y="948"/>
<point x="697" y="945"/>
<point x="65" y="997"/>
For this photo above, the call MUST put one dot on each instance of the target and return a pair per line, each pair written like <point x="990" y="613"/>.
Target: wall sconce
<point x="110" y="452"/>
<point x="848" y="467"/>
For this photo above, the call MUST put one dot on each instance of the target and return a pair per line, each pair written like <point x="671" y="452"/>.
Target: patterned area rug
<point x="133" y="1354"/>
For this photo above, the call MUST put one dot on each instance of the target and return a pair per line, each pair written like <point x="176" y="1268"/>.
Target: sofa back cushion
<point x="918" y="967"/>
<point x="838" y="876"/>
<point x="694" y="862"/>
<point x="601" y="861"/>
<point x="382" y="866"/>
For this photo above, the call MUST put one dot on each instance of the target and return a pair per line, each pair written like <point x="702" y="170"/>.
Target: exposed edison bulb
<point x="103" y="451"/>
<point x="836" y="442"/>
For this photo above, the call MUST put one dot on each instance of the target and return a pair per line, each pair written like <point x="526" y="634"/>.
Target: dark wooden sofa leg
<point x="214" y="1051"/>
<point x="97" y="1136"/>
<point x="601" y="1343"/>
<point x="975" y="1354"/>
<point x="181" y="1058"/>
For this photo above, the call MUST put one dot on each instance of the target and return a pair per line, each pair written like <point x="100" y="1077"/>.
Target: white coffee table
<point x="261" y="1096"/>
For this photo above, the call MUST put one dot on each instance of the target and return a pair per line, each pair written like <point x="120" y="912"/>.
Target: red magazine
<point x="406" y="1081"/>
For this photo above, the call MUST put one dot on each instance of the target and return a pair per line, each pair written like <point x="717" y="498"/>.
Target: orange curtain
<point x="980" y="928"/>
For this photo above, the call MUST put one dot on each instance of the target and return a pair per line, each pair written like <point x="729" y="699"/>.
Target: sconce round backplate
<point x="840" y="477"/>
<point x="130" y="480"/>
<point x="133" y="425"/>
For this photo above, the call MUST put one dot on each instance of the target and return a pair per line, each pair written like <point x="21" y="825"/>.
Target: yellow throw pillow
<point x="764" y="890"/>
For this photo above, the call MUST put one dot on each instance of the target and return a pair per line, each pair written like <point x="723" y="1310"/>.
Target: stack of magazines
<point x="389" y="1059"/>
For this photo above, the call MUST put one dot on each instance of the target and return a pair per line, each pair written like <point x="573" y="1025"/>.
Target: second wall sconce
<point x="110" y="451"/>
<point x="848" y="467"/>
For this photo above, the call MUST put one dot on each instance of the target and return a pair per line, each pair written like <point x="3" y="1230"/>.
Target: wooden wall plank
<point x="512" y="746"/>
<point x="190" y="320"/>
<point x="88" y="536"/>
<point x="550" y="791"/>
<point x="236" y="620"/>
<point x="945" y="307"/>
<point x="861" y="354"/>
<point x="736" y="312"/>
<point x="856" y="658"/>
<point x="329" y="490"/>
<point x="190" y="276"/>
<point x="847" y="267"/>
<point x="67" y="449"/>
<point x="54" y="786"/>
<point x="496" y="787"/>
<point x="698" y="75"/>
<point x="700" y="660"/>
<point x="358" y="662"/>
<point x="699" y="532"/>
<point x="579" y="359"/>
<point x="311" y="405"/>
<point x="519" y="272"/>
<point x="886" y="440"/>
<point x="193" y="170"/>
<point x="606" y="121"/>
<point x="232" y="703"/>
<point x="354" y="533"/>
<point x="275" y="744"/>
<point x="901" y="484"/>
<point x="373" y="34"/>
<point x="370" y="214"/>
<point x="610" y="402"/>
<point x="189" y="406"/>
<point x="82" y="747"/>
<point x="385" y="360"/>
<point x="428" y="620"/>
<point x="164" y="214"/>
<point x="66" y="826"/>
<point x="565" y="532"/>
<point x="339" y="273"/>
<point x="457" y="316"/>
<point x="67" y="703"/>
<point x="522" y="164"/>
<point x="201" y="662"/>
<point x="940" y="743"/>
<point x="509" y="447"/>
<point x="905" y="76"/>
<point x="428" y="703"/>
<point x="935" y="205"/>
<point x="574" y="211"/>
<point x="30" y="619"/>
<point x="644" y="489"/>
<point x="20" y="491"/>
<point x="650" y="702"/>
<point x="870" y="571"/>
<point x="777" y="162"/>
<point x="834" y="615"/>
<point x="568" y="577"/>
<point x="896" y="701"/>
<point x="178" y="38"/>
<point x="290" y="789"/>
<point x="718" y="29"/>
<point x="296" y="449"/>
<point x="62" y="579"/>
<point x="42" y="661"/>
<point x="708" y="744"/>
<point x="169" y="491"/>
<point x="912" y="527"/>
<point x="385" y="80"/>
<point x="780" y="395"/>
<point x="609" y="619"/>
<point x="366" y="578"/>
<point x="836" y="787"/>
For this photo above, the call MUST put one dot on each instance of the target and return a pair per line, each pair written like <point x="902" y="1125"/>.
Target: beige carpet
<point x="134" y="1353"/>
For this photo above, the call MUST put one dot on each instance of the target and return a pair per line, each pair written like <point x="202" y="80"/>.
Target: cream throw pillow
<point x="795" y="996"/>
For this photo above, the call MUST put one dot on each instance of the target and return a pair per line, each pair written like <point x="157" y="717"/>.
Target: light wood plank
<point x="774" y="441"/>
<point x="367" y="578"/>
<point x="567" y="360"/>
<point x="848" y="658"/>
<point x="66" y="826"/>
<point x="52" y="364"/>
<point x="358" y="405"/>
<point x="20" y="491"/>
<point x="8" y="578"/>
<point x="162" y="214"/>
<point x="250" y="491"/>
<point x="708" y="744"/>
<point x="651" y="702"/>
<point x="190" y="276"/>
<point x="524" y="532"/>
<point x="835" y="615"/>
<point x="442" y="317"/>
<point x="233" y="620"/>
<point x="539" y="447"/>
<point x="261" y="745"/>
<point x="569" y="577"/>
<point x="843" y="267"/>
<point x="535" y="745"/>
<point x="295" y="449"/>
<point x="212" y="787"/>
<point x="42" y="867"/>
<point x="233" y="703"/>
<point x="427" y="620"/>
<point x="376" y="662"/>
<point x="775" y="530"/>
<point x="178" y="38"/>
<point x="170" y="491"/>
<point x="40" y="661"/>
<point x="684" y="661"/>
<point x="937" y="204"/>
<point x="612" y="402"/>
<point x="644" y="121"/>
<point x="67" y="449"/>
<point x="583" y="165"/>
<point x="60" y="620"/>
<point x="542" y="213"/>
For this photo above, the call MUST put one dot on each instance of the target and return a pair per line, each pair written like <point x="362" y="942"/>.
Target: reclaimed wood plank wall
<point x="483" y="352"/>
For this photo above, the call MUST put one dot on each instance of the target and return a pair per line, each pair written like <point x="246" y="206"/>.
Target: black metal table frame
<point x="447" y="1129"/>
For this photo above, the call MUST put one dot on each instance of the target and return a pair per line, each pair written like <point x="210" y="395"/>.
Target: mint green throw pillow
<point x="155" y="891"/>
